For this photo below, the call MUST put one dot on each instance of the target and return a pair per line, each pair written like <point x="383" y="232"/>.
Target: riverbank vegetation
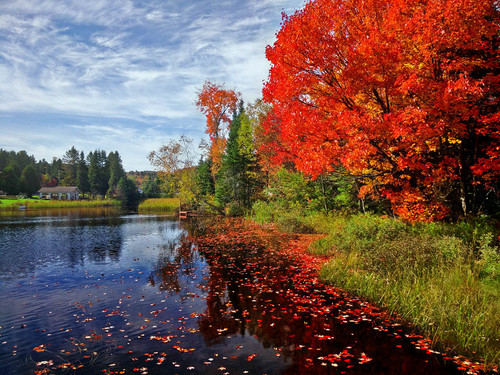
<point x="379" y="128"/>
<point x="96" y="175"/>
<point x="160" y="205"/>
<point x="442" y="278"/>
<point x="32" y="204"/>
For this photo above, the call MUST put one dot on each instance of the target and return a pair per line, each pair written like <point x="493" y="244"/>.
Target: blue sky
<point x="123" y="75"/>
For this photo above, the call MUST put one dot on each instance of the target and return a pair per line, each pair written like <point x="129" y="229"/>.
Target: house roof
<point x="59" y="189"/>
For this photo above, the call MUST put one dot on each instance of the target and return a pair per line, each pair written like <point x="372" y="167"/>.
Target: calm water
<point x="93" y="291"/>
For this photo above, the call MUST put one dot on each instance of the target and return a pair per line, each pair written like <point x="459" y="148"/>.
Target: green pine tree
<point x="98" y="172"/>
<point x="116" y="171"/>
<point x="70" y="167"/>
<point x="10" y="180"/>
<point x="82" y="175"/>
<point x="30" y="180"/>
<point x="234" y="184"/>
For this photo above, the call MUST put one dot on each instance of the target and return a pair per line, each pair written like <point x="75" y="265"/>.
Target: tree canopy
<point x="217" y="103"/>
<point x="402" y="93"/>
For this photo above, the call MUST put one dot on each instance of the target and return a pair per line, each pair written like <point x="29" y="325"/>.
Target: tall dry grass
<point x="163" y="205"/>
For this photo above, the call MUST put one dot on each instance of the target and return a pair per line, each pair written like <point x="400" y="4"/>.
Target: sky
<point x="123" y="75"/>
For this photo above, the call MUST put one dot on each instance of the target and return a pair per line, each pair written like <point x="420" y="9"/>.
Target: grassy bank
<point x="442" y="278"/>
<point x="14" y="204"/>
<point x="160" y="205"/>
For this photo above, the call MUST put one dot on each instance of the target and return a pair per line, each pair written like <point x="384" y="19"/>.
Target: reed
<point x="444" y="278"/>
<point x="15" y="204"/>
<point x="163" y="205"/>
<point x="445" y="284"/>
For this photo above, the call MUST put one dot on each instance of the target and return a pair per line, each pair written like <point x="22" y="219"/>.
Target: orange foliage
<point x="217" y="104"/>
<point x="401" y="92"/>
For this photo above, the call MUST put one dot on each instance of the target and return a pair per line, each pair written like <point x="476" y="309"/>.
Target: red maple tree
<point x="403" y="93"/>
<point x="217" y="104"/>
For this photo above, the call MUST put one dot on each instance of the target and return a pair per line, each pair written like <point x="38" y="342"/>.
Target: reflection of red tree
<point x="218" y="320"/>
<point x="278" y="299"/>
<point x="168" y="276"/>
<point x="169" y="266"/>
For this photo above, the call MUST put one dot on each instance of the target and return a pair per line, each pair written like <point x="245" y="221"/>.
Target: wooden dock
<point x="186" y="214"/>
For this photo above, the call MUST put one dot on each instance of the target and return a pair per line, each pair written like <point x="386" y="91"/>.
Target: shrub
<point x="235" y="209"/>
<point x="293" y="223"/>
<point x="263" y="212"/>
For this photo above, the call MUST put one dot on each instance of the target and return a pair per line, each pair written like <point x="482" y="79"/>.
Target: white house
<point x="70" y="193"/>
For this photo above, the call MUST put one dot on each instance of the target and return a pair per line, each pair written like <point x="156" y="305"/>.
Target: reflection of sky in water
<point x="131" y="292"/>
<point x="25" y="245"/>
<point x="101" y="287"/>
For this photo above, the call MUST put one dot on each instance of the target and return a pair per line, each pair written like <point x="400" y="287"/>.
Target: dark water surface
<point x="92" y="292"/>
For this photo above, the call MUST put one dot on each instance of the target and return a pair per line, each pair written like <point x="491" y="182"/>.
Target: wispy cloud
<point x="138" y="62"/>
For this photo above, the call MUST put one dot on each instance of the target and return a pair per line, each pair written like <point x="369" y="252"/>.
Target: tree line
<point x="97" y="174"/>
<point x="389" y="106"/>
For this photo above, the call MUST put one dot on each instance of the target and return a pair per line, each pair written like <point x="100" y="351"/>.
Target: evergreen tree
<point x="70" y="166"/>
<point x="10" y="180"/>
<point x="56" y="169"/>
<point x="42" y="167"/>
<point x="82" y="175"/>
<point x="127" y="191"/>
<point x="30" y="180"/>
<point x="234" y="183"/>
<point x="18" y="160"/>
<point x="116" y="171"/>
<point x="98" y="174"/>
<point x="204" y="178"/>
<point x="152" y="188"/>
<point x="4" y="159"/>
<point x="21" y="160"/>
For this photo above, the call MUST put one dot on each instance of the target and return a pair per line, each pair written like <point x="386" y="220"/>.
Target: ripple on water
<point x="135" y="293"/>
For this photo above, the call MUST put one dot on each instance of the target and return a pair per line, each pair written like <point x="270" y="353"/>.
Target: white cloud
<point x="139" y="62"/>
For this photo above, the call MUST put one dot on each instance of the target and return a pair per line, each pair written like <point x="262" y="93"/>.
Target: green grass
<point x="446" y="286"/>
<point x="443" y="278"/>
<point x="163" y="205"/>
<point x="14" y="204"/>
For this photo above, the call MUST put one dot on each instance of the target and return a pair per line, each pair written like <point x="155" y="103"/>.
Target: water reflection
<point x="177" y="258"/>
<point x="68" y="237"/>
<point x="256" y="291"/>
<point x="88" y="294"/>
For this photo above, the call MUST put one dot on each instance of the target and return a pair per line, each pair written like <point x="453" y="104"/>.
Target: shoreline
<point x="435" y="282"/>
<point x="27" y="204"/>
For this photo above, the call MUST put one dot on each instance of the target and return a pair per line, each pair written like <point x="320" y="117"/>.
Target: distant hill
<point x="140" y="176"/>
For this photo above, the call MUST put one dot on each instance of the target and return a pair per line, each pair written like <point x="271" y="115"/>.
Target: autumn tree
<point x="402" y="94"/>
<point x="217" y="104"/>
<point x="175" y="166"/>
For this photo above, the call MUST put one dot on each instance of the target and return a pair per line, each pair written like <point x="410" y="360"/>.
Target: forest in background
<point x="98" y="174"/>
<point x="388" y="107"/>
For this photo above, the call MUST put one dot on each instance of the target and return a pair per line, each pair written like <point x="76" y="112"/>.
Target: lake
<point x="99" y="291"/>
